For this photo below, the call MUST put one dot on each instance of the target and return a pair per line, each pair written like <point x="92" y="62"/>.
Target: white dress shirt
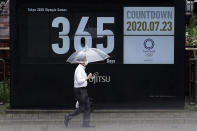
<point x="80" y="77"/>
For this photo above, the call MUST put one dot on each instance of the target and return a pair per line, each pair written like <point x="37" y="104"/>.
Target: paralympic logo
<point x="99" y="78"/>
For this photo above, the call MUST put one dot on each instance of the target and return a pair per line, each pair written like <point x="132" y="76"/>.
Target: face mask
<point x="86" y="63"/>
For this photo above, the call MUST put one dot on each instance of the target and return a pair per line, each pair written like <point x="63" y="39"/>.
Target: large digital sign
<point x="144" y="39"/>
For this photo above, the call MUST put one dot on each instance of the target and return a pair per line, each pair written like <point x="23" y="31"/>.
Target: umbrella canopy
<point x="89" y="54"/>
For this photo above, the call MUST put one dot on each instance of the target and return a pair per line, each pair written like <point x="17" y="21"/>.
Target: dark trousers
<point x="84" y="105"/>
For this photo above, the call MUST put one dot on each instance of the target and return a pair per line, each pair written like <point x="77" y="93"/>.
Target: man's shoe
<point x="66" y="119"/>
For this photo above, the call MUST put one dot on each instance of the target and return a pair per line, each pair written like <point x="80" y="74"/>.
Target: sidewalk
<point x="105" y="120"/>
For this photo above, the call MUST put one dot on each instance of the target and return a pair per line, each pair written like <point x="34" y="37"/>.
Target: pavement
<point x="104" y="120"/>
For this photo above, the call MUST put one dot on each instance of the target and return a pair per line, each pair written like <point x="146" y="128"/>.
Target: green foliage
<point x="5" y="91"/>
<point x="194" y="108"/>
<point x="191" y="32"/>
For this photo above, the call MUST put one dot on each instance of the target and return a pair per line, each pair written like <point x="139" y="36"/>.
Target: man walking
<point x="80" y="91"/>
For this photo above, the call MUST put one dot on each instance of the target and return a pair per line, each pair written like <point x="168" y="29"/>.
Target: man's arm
<point x="81" y="80"/>
<point x="89" y="76"/>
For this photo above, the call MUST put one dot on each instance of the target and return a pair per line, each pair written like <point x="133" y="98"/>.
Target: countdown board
<point x="144" y="39"/>
<point x="148" y="35"/>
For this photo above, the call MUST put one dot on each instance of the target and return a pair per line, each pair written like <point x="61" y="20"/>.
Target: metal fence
<point x="192" y="74"/>
<point x="4" y="84"/>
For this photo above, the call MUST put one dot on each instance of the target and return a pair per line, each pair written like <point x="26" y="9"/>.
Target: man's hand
<point x="89" y="76"/>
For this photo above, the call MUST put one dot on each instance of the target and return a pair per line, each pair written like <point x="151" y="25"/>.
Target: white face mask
<point x="86" y="63"/>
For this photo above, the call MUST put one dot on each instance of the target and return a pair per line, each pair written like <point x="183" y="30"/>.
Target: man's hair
<point x="82" y="58"/>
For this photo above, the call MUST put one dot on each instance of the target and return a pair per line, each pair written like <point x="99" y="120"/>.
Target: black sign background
<point x="41" y="79"/>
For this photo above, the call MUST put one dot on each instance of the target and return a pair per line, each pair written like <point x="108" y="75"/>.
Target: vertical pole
<point x="4" y="90"/>
<point x="190" y="81"/>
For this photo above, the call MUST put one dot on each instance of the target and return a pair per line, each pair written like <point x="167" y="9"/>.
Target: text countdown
<point x="81" y="33"/>
<point x="149" y="21"/>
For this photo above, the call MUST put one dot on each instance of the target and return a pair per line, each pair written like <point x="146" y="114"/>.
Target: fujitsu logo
<point x="99" y="78"/>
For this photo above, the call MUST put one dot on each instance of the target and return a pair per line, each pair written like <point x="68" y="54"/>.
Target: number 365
<point x="80" y="32"/>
